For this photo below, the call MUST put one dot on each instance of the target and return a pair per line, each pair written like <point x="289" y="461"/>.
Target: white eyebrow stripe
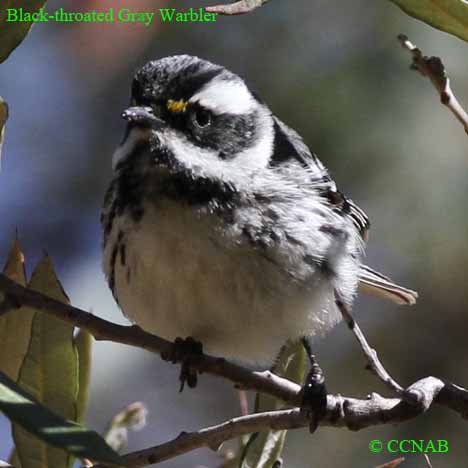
<point x="225" y="97"/>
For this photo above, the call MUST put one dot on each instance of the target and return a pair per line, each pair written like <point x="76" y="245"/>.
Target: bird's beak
<point x="142" y="117"/>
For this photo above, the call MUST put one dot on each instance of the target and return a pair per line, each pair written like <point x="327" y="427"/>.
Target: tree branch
<point x="264" y="382"/>
<point x="352" y="413"/>
<point x="237" y="8"/>
<point x="341" y="411"/>
<point x="434" y="69"/>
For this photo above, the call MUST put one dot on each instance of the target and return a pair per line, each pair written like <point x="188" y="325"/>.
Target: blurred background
<point x="334" y="71"/>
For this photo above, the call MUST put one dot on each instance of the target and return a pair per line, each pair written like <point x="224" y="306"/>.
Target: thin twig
<point x="374" y="363"/>
<point x="392" y="464"/>
<point x="237" y="8"/>
<point x="243" y="403"/>
<point x="434" y="69"/>
<point x="428" y="461"/>
<point x="411" y="395"/>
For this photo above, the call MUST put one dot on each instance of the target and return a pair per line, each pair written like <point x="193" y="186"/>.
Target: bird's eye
<point x="201" y="118"/>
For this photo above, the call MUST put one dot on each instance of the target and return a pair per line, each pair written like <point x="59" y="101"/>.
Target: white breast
<point x="179" y="277"/>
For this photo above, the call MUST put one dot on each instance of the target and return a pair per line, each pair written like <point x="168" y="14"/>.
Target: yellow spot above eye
<point x="176" y="106"/>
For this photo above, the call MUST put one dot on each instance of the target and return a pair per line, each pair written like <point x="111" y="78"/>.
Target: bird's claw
<point x="314" y="391"/>
<point x="314" y="397"/>
<point x="186" y="351"/>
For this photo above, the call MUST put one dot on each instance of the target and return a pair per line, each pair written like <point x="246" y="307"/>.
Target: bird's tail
<point x="376" y="284"/>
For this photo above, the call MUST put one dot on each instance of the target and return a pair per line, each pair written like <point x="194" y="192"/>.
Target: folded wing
<point x="376" y="284"/>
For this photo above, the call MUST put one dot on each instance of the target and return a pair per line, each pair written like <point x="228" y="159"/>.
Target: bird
<point x="221" y="225"/>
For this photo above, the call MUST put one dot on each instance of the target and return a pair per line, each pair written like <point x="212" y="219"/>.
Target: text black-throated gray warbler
<point x="221" y="225"/>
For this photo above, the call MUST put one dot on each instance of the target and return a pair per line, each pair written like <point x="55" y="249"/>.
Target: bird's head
<point x="190" y="116"/>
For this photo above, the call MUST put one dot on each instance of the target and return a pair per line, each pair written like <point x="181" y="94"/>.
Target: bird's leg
<point x="314" y="396"/>
<point x="185" y="351"/>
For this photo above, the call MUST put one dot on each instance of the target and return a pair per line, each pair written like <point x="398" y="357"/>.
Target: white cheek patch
<point x="187" y="153"/>
<point x="125" y="150"/>
<point x="225" y="97"/>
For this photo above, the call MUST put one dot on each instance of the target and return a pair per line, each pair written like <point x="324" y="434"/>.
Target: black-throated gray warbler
<point x="221" y="225"/>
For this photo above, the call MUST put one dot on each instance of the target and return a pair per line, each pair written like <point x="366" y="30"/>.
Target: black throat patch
<point x="140" y="179"/>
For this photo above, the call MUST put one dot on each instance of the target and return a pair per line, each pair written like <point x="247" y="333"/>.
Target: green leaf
<point x="83" y="346"/>
<point x="49" y="372"/>
<point x="447" y="15"/>
<point x="3" y="119"/>
<point x="15" y="326"/>
<point x="14" y="265"/>
<point x="13" y="32"/>
<point x="27" y="412"/>
<point x="13" y="459"/>
<point x="264" y="449"/>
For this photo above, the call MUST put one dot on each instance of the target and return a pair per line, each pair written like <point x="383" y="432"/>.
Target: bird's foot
<point x="314" y="392"/>
<point x="186" y="351"/>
